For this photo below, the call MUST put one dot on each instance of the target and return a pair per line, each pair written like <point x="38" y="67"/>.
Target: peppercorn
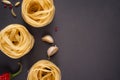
<point x="10" y="6"/>
<point x="56" y="29"/>
<point x="5" y="6"/>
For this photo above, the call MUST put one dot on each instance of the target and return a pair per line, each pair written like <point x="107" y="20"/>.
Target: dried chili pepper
<point x="9" y="76"/>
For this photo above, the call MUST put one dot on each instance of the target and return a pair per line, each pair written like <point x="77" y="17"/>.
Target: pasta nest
<point x="44" y="70"/>
<point x="38" y="13"/>
<point x="15" y="41"/>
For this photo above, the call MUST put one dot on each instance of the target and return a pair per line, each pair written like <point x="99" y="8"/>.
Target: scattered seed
<point x="10" y="7"/>
<point x="17" y="4"/>
<point x="56" y="29"/>
<point x="5" y="6"/>
<point x="13" y="13"/>
<point x="7" y="2"/>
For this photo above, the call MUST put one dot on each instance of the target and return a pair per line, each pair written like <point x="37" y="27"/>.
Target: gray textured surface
<point x="88" y="37"/>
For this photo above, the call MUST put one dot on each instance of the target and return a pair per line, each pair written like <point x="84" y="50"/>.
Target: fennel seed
<point x="7" y="2"/>
<point x="13" y="13"/>
<point x="17" y="4"/>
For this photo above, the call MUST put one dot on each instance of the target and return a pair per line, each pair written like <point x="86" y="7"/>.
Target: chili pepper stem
<point x="18" y="72"/>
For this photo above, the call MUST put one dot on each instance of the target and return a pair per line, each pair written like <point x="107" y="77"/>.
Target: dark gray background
<point x="88" y="37"/>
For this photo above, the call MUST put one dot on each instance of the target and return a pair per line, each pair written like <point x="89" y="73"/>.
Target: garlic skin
<point x="52" y="50"/>
<point x="48" y="39"/>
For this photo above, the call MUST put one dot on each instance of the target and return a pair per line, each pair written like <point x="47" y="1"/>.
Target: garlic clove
<point x="52" y="50"/>
<point x="17" y="4"/>
<point x="48" y="39"/>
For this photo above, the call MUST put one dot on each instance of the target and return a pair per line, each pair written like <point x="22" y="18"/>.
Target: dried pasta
<point x="15" y="41"/>
<point x="44" y="70"/>
<point x="38" y="13"/>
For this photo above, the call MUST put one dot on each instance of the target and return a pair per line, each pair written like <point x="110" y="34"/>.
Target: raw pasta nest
<point x="38" y="13"/>
<point x="44" y="70"/>
<point x="15" y="41"/>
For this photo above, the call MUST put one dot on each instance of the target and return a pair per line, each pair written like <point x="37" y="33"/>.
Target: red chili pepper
<point x="5" y="76"/>
<point x="9" y="76"/>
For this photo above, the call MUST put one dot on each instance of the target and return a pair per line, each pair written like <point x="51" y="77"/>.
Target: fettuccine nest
<point x="15" y="41"/>
<point x="44" y="70"/>
<point x="38" y="13"/>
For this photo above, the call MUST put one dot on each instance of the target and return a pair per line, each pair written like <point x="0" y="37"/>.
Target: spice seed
<point x="7" y="2"/>
<point x="17" y="4"/>
<point x="13" y="13"/>
<point x="5" y="6"/>
<point x="56" y="29"/>
<point x="10" y="7"/>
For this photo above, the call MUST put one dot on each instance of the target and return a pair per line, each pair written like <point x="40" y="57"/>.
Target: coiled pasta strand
<point x="38" y="13"/>
<point x="44" y="70"/>
<point x="15" y="41"/>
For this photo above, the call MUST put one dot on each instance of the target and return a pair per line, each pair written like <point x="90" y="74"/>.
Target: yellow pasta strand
<point x="44" y="70"/>
<point x="38" y="13"/>
<point x="15" y="41"/>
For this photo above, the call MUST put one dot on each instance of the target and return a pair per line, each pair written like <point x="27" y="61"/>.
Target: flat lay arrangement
<point x="16" y="41"/>
<point x="59" y="39"/>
